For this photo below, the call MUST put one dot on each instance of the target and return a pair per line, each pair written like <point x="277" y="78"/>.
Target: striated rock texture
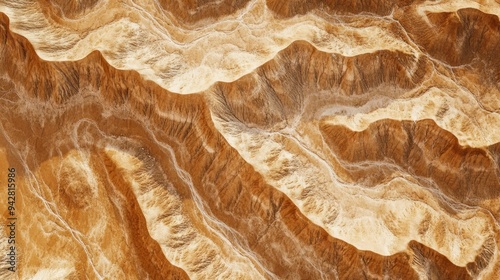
<point x="251" y="139"/>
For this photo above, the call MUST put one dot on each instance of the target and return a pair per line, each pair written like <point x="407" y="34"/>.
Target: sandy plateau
<point x="252" y="139"/>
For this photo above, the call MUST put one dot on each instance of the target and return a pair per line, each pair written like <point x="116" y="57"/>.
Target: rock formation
<point x="254" y="139"/>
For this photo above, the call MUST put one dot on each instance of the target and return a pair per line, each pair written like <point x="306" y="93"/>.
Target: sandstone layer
<point x="251" y="139"/>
